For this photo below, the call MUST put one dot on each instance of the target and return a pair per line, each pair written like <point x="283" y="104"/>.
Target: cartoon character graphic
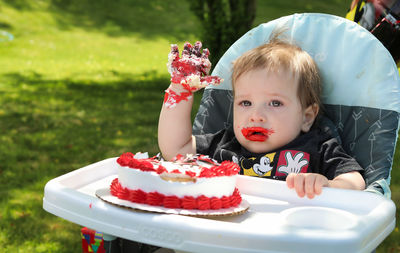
<point x="292" y="162"/>
<point x="261" y="167"/>
<point x="264" y="166"/>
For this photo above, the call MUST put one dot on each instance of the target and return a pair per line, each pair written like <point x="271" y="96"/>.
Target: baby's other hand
<point x="191" y="70"/>
<point x="309" y="184"/>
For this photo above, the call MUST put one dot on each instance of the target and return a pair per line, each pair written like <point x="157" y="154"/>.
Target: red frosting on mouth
<point x="256" y="133"/>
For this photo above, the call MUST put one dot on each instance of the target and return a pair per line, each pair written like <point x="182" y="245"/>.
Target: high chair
<point x="361" y="88"/>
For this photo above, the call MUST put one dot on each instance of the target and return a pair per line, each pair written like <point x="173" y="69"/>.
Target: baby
<point x="275" y="133"/>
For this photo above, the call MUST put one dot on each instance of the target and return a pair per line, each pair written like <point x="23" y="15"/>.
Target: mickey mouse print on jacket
<point x="275" y="165"/>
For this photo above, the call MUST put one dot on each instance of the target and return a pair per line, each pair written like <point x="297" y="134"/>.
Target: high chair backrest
<point x="361" y="87"/>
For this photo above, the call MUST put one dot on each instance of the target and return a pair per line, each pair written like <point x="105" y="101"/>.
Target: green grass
<point x="82" y="82"/>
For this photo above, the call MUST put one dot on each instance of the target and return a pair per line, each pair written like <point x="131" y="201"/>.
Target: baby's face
<point x="267" y="111"/>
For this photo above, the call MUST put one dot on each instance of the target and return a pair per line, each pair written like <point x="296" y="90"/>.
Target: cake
<point x="191" y="182"/>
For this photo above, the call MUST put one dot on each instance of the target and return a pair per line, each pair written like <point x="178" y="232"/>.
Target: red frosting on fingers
<point x="193" y="62"/>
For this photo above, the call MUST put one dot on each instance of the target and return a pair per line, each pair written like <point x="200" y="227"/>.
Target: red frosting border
<point x="226" y="168"/>
<point x="158" y="199"/>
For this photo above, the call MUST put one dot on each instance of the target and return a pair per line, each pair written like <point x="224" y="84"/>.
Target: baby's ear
<point x="309" y="115"/>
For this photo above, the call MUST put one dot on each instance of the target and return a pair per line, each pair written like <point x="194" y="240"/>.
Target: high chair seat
<point x="361" y="87"/>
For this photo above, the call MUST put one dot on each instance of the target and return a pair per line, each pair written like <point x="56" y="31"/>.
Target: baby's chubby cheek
<point x="238" y="129"/>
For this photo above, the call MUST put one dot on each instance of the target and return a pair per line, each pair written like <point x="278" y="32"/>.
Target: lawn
<point x="83" y="81"/>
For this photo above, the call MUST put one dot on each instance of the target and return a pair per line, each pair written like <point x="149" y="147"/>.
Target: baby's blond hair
<point x="279" y="56"/>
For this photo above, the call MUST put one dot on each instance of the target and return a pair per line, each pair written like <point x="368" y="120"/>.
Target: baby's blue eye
<point x="245" y="103"/>
<point x="275" y="103"/>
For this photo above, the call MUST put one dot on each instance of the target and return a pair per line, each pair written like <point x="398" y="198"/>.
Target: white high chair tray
<point x="277" y="220"/>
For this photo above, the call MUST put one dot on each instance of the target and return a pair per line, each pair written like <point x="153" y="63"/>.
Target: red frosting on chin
<point x="257" y="133"/>
<point x="158" y="199"/>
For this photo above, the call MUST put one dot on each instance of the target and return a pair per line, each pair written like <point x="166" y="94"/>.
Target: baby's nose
<point x="257" y="116"/>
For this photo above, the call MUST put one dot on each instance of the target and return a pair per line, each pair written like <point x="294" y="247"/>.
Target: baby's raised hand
<point x="192" y="68"/>
<point x="309" y="184"/>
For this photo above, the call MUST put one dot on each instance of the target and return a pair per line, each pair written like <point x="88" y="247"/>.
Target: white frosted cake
<point x="192" y="182"/>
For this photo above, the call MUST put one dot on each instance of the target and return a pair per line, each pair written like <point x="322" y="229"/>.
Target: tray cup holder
<point x="319" y="218"/>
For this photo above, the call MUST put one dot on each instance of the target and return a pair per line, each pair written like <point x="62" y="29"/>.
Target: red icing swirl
<point x="203" y="202"/>
<point x="127" y="159"/>
<point x="158" y="199"/>
<point x="171" y="202"/>
<point x="235" y="199"/>
<point x="161" y="169"/>
<point x="115" y="186"/>
<point x="225" y="202"/>
<point x="189" y="202"/>
<point x="154" y="198"/>
<point x="190" y="174"/>
<point x="138" y="196"/>
<point x="215" y="203"/>
<point x="226" y="168"/>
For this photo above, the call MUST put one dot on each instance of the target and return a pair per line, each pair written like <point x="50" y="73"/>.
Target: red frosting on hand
<point x="193" y="62"/>
<point x="171" y="98"/>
